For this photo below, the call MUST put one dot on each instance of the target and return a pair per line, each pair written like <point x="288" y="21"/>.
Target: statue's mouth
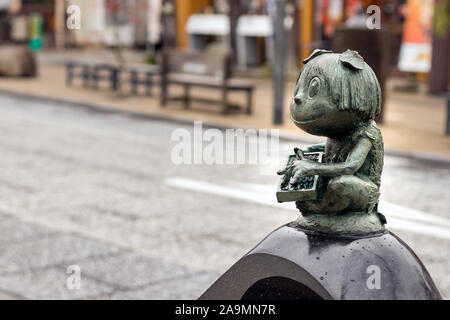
<point x="305" y="121"/>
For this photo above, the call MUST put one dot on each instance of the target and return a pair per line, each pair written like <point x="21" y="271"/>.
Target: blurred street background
<point x="87" y="176"/>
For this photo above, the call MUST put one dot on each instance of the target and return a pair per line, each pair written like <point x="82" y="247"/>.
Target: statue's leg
<point x="349" y="193"/>
<point x="344" y="194"/>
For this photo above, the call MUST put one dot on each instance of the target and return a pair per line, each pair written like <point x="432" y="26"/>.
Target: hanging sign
<point x="415" y="52"/>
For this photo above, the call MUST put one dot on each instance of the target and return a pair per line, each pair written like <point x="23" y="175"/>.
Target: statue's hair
<point x="352" y="89"/>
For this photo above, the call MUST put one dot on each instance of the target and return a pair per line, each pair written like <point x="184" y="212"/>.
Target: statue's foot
<point x="309" y="207"/>
<point x="351" y="223"/>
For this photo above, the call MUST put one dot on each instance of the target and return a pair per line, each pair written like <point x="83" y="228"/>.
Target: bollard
<point x="294" y="263"/>
<point x="338" y="248"/>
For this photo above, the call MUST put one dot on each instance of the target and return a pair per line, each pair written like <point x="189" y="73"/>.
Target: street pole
<point x="279" y="63"/>
<point x="447" y="129"/>
<point x="59" y="24"/>
<point x="438" y="78"/>
<point x="234" y="13"/>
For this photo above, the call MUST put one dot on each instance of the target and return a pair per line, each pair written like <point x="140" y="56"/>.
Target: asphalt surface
<point x="100" y="191"/>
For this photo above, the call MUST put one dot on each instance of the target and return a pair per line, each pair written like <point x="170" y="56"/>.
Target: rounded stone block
<point x="293" y="263"/>
<point x="17" y="61"/>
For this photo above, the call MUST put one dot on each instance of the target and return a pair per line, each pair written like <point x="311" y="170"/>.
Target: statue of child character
<point x="338" y="96"/>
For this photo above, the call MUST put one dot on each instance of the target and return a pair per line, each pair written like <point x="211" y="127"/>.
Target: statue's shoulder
<point x="370" y="131"/>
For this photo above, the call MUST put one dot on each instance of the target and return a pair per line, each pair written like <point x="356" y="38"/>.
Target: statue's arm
<point x="353" y="163"/>
<point x="315" y="148"/>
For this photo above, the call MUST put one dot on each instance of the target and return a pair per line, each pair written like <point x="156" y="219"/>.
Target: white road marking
<point x="399" y="217"/>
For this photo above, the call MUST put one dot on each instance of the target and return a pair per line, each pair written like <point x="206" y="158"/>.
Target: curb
<point x="284" y="136"/>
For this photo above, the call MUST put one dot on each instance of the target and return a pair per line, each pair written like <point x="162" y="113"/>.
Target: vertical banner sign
<point x="415" y="52"/>
<point x="36" y="31"/>
<point x="154" y="21"/>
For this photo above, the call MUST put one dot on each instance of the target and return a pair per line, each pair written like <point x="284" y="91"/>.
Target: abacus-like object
<point x="303" y="190"/>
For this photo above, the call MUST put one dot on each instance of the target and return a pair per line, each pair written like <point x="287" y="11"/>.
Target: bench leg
<point x="69" y="75"/>
<point x="164" y="92"/>
<point x="134" y="82"/>
<point x="148" y="84"/>
<point x="225" y="108"/>
<point x="86" y="76"/>
<point x="186" y="96"/>
<point x="95" y="78"/>
<point x="115" y="80"/>
<point x="249" y="101"/>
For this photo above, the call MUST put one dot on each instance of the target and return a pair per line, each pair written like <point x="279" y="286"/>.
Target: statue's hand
<point x="292" y="169"/>
<point x="285" y="170"/>
<point x="299" y="154"/>
<point x="300" y="169"/>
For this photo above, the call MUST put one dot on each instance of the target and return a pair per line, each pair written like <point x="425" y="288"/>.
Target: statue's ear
<point x="316" y="53"/>
<point x="352" y="60"/>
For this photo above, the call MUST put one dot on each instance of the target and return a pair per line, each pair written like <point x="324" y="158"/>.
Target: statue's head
<point x="335" y="93"/>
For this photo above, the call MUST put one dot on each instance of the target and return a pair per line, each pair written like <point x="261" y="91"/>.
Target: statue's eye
<point x="314" y="86"/>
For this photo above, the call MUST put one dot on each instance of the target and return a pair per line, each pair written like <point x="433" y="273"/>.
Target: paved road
<point x="99" y="191"/>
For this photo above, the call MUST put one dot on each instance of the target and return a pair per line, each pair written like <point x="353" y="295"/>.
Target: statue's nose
<point x="298" y="100"/>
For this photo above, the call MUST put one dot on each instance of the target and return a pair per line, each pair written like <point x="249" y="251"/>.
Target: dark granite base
<point x="292" y="263"/>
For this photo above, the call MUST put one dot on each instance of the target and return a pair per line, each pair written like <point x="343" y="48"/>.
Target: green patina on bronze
<point x="338" y="96"/>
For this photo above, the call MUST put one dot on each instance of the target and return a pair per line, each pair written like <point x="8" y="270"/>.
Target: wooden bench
<point x="78" y="69"/>
<point x="201" y="70"/>
<point x="92" y="73"/>
<point x="142" y="74"/>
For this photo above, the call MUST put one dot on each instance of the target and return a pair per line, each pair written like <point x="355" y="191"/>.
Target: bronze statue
<point x="339" y="242"/>
<point x="337" y="96"/>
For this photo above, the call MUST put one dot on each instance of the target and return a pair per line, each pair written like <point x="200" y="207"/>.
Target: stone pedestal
<point x="292" y="263"/>
<point x="17" y="61"/>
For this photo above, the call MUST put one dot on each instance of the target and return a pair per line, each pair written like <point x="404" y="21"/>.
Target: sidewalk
<point x="413" y="123"/>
